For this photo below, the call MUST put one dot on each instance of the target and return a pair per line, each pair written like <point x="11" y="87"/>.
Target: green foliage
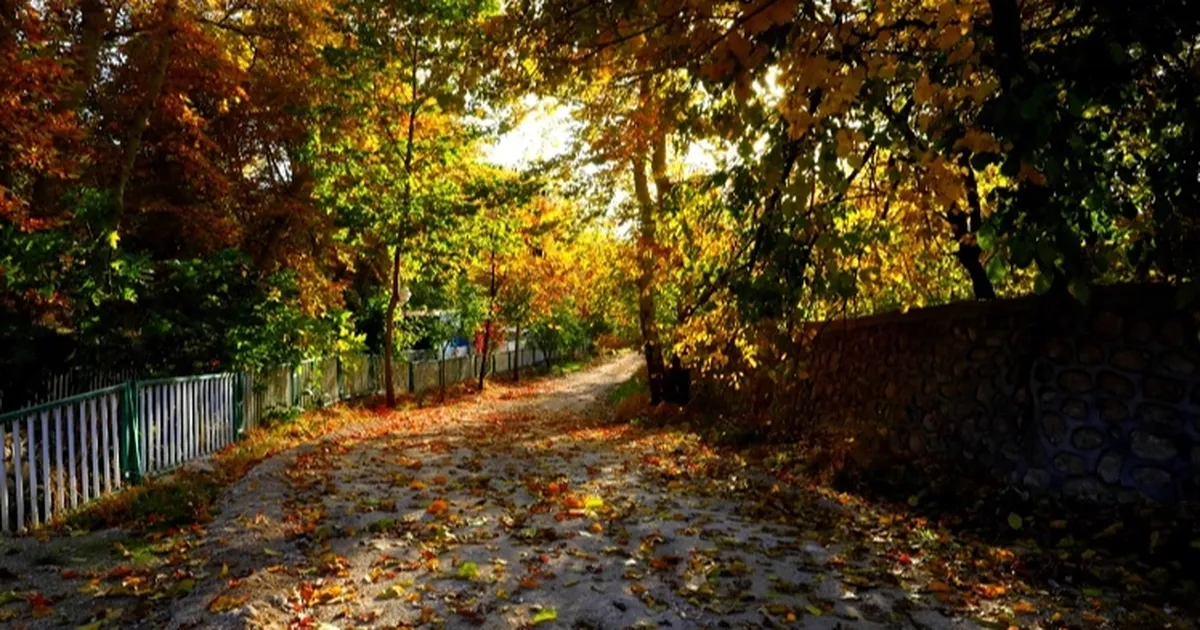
<point x="558" y="331"/>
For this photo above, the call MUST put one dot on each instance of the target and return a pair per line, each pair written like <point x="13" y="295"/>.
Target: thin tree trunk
<point x="647" y="240"/>
<point x="154" y="86"/>
<point x="394" y="299"/>
<point x="969" y="254"/>
<point x="487" y="326"/>
<point x="389" y="327"/>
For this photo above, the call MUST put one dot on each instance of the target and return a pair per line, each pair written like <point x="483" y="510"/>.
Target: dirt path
<point x="514" y="511"/>
<point x="523" y="506"/>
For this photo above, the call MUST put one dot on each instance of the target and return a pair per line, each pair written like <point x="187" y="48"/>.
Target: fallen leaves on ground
<point x="518" y="505"/>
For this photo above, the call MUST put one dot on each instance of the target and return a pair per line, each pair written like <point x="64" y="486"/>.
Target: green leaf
<point x="997" y="271"/>
<point x="1015" y="521"/>
<point x="544" y="615"/>
<point x="1042" y="283"/>
<point x="986" y="237"/>
<point x="813" y="610"/>
<point x="467" y="571"/>
<point x="113" y="239"/>
<point x="394" y="591"/>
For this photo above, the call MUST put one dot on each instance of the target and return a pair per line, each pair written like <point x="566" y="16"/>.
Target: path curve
<point x="523" y="507"/>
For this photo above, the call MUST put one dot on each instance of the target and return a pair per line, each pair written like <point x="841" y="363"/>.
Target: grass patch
<point x="570" y="367"/>
<point x="635" y="385"/>
<point x="186" y="497"/>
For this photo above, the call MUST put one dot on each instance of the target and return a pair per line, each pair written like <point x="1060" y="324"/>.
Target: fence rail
<point x="60" y="455"/>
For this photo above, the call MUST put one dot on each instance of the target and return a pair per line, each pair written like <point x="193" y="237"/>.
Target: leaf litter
<point x="526" y="506"/>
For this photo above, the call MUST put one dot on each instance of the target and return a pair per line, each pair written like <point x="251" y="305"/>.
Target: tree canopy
<point x="186" y="186"/>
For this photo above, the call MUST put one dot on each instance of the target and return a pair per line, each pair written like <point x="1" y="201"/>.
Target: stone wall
<point x="1099" y="403"/>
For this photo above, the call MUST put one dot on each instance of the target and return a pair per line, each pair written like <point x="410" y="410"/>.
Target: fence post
<point x="295" y="381"/>
<point x="339" y="377"/>
<point x="130" y="432"/>
<point x="239" y="403"/>
<point x="412" y="379"/>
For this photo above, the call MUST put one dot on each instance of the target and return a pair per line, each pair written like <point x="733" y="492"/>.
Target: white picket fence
<point x="62" y="454"/>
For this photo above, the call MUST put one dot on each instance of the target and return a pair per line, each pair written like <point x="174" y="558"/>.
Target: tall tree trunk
<point x="389" y="328"/>
<point x="487" y="325"/>
<point x="647" y="240"/>
<point x="389" y="325"/>
<point x="154" y="84"/>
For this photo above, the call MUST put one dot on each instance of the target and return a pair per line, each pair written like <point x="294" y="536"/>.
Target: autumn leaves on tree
<point x="742" y="168"/>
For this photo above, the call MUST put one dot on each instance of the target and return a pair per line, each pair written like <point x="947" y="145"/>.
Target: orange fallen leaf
<point x="438" y="507"/>
<point x="1024" y="607"/>
<point x="991" y="591"/>
<point x="417" y="484"/>
<point x="529" y="583"/>
<point x="939" y="587"/>
<point x="226" y="603"/>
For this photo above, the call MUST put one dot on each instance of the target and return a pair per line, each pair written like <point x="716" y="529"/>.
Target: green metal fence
<point x="62" y="454"/>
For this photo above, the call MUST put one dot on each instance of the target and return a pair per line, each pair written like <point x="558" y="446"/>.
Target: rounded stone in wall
<point x="1113" y="410"/>
<point x="1075" y="408"/>
<point x="1177" y="362"/>
<point x="1129" y="359"/>
<point x="1172" y="332"/>
<point x="1054" y="427"/>
<point x="1162" y="388"/>
<point x="1159" y="415"/>
<point x="1084" y="488"/>
<point x="1070" y="463"/>
<point x="1109" y="468"/>
<point x="1058" y="350"/>
<point x="1150" y="446"/>
<point x="1107" y="324"/>
<point x="1075" y="381"/>
<point x="1087" y="439"/>
<point x="1090" y="353"/>
<point x="1141" y="330"/>
<point x="1146" y="476"/>
<point x="1116" y="384"/>
<point x="1038" y="478"/>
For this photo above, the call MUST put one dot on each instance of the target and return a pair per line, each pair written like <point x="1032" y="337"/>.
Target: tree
<point x="392" y="175"/>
